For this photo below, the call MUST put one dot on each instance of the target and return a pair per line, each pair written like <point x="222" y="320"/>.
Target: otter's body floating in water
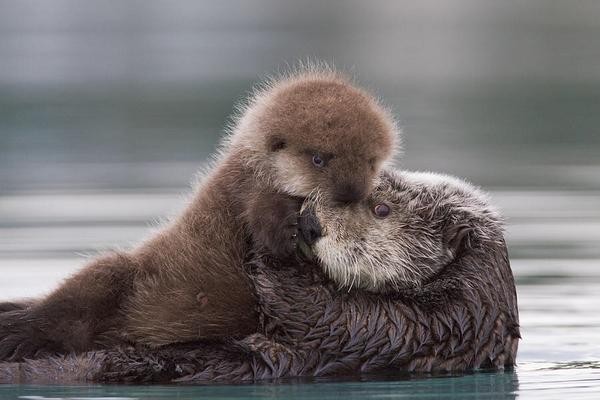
<point x="457" y="315"/>
<point x="312" y="130"/>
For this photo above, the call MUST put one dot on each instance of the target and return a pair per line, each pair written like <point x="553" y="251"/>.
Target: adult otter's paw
<point x="258" y="343"/>
<point x="20" y="337"/>
<point x="274" y="223"/>
<point x="142" y="365"/>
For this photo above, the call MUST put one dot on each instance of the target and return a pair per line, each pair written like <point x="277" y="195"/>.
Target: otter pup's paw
<point x="21" y="338"/>
<point x="282" y="235"/>
<point x="275" y="224"/>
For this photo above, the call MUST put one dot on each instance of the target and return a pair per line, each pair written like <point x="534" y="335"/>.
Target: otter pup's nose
<point x="310" y="228"/>
<point x="347" y="193"/>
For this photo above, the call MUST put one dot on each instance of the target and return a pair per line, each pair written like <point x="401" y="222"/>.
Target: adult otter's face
<point x="406" y="230"/>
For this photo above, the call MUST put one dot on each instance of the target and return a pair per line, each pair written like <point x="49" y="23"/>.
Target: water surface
<point x="46" y="236"/>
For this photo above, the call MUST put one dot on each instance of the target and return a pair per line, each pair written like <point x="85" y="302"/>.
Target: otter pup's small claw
<point x="278" y="228"/>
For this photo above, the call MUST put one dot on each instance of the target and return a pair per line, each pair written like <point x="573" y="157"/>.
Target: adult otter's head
<point x="315" y="130"/>
<point x="410" y="227"/>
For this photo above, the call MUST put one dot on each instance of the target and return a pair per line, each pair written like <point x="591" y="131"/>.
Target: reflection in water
<point x="503" y="385"/>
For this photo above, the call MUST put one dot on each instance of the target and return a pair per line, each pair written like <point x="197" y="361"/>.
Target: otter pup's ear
<point x="454" y="236"/>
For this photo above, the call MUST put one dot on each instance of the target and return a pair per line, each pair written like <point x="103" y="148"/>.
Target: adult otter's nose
<point x="347" y="193"/>
<point x="310" y="228"/>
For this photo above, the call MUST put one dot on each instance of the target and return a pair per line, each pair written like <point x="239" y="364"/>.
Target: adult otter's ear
<point x="454" y="237"/>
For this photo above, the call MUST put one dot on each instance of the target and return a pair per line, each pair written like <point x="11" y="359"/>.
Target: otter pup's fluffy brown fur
<point x="457" y="309"/>
<point x="312" y="130"/>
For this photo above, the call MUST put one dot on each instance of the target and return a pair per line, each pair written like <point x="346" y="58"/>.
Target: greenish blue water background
<point x="108" y="109"/>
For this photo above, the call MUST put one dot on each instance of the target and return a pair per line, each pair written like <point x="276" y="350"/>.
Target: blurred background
<point x="107" y="109"/>
<point x="134" y="94"/>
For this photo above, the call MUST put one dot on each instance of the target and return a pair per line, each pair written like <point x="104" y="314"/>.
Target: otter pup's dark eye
<point x="277" y="144"/>
<point x="381" y="210"/>
<point x="372" y="163"/>
<point x="318" y="161"/>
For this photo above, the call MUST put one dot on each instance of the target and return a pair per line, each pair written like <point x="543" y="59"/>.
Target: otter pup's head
<point x="315" y="130"/>
<point x="408" y="229"/>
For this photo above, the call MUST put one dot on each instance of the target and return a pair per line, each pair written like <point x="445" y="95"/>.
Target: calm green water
<point x="479" y="385"/>
<point x="530" y="380"/>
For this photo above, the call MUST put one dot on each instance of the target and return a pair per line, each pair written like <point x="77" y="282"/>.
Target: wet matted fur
<point x="460" y="316"/>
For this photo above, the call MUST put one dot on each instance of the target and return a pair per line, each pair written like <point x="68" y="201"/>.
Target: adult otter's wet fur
<point x="312" y="130"/>
<point x="454" y="316"/>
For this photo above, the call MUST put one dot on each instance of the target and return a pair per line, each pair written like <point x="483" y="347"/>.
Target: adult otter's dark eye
<point x="318" y="161"/>
<point x="381" y="210"/>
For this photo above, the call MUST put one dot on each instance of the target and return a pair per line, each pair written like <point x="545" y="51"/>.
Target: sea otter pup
<point x="311" y="131"/>
<point x="441" y="297"/>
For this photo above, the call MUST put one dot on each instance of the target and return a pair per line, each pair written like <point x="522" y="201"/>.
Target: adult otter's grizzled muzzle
<point x="310" y="228"/>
